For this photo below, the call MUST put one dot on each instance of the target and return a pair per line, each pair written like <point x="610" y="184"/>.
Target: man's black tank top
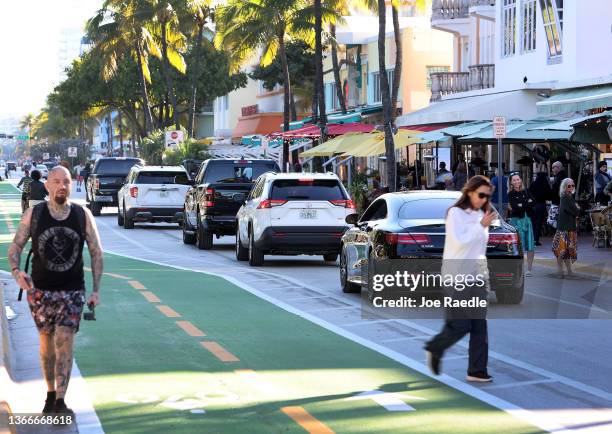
<point x="57" y="251"/>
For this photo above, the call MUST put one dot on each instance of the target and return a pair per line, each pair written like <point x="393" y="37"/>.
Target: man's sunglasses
<point x="571" y="186"/>
<point x="484" y="196"/>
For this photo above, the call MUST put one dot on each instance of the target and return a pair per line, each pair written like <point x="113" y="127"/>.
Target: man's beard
<point x="60" y="200"/>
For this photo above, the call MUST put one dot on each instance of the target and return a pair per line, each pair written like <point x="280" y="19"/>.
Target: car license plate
<point x="308" y="214"/>
<point x="163" y="194"/>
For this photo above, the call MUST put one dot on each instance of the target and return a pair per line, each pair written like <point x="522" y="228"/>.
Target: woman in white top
<point x="465" y="248"/>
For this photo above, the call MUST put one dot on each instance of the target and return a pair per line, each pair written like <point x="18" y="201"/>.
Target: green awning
<point x="521" y="131"/>
<point x="579" y="99"/>
<point x="594" y="130"/>
<point x="465" y="129"/>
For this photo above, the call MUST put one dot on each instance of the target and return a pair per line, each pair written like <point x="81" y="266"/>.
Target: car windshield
<point x="114" y="167"/>
<point x="229" y="172"/>
<point x="161" y="177"/>
<point x="306" y="189"/>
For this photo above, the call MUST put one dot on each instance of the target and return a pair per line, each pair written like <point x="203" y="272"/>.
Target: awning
<point x="261" y="123"/>
<point x="594" y="130"/>
<point x="518" y="132"/>
<point x="520" y="104"/>
<point x="425" y="128"/>
<point x="336" y="145"/>
<point x="465" y="129"/>
<point x="332" y="130"/>
<point x="579" y="99"/>
<point x="376" y="144"/>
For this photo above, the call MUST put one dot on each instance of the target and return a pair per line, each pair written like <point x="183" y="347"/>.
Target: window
<point x="552" y="16"/>
<point x="434" y="69"/>
<point x="509" y="25"/>
<point x="528" y="16"/>
<point x="298" y="189"/>
<point x="429" y="209"/>
<point x="335" y="104"/>
<point x="376" y="211"/>
<point x="161" y="177"/>
<point x="376" y="84"/>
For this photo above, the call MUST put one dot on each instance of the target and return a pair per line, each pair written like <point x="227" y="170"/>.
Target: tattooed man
<point x="56" y="288"/>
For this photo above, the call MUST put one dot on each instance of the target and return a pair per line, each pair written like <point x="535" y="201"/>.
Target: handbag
<point x="553" y="214"/>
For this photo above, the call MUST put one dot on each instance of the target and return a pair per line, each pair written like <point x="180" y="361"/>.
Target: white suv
<point x="152" y="194"/>
<point x="292" y="214"/>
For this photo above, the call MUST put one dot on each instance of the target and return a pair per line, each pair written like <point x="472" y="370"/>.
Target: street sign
<point x="173" y="139"/>
<point x="499" y="127"/>
<point x="45" y="155"/>
<point x="72" y="151"/>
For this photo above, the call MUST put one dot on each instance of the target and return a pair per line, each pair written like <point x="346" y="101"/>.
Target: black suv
<point x="107" y="177"/>
<point x="218" y="192"/>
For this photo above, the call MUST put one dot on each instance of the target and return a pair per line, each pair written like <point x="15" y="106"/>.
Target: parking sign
<point x="173" y="138"/>
<point x="45" y="155"/>
<point x="499" y="127"/>
<point x="72" y="151"/>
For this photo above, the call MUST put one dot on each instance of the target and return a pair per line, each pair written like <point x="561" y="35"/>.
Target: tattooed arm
<point x="95" y="252"/>
<point x="14" y="254"/>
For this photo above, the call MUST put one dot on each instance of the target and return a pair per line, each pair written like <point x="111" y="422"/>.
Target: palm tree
<point x="121" y="28"/>
<point x="386" y="97"/>
<point x="246" y="26"/>
<point x="200" y="12"/>
<point x="318" y="15"/>
<point x="172" y="43"/>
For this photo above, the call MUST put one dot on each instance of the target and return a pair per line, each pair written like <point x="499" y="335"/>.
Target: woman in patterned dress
<point x="565" y="242"/>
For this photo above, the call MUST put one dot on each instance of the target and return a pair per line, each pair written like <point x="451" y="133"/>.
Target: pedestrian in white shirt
<point x="465" y="248"/>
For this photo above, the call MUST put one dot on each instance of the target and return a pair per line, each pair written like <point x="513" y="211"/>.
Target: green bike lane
<point x="190" y="352"/>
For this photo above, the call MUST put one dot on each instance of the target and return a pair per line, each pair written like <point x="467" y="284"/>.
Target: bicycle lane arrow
<point x="390" y="401"/>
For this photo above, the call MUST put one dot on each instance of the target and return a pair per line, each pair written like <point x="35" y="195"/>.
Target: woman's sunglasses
<point x="571" y="186"/>
<point x="484" y="196"/>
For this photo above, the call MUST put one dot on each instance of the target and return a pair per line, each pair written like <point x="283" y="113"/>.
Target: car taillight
<point x="134" y="192"/>
<point x="97" y="184"/>
<point x="344" y="202"/>
<point x="269" y="203"/>
<point x="209" y="199"/>
<point x="503" y="238"/>
<point x="408" y="239"/>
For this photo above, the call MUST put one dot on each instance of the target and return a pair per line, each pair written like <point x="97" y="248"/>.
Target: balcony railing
<point x="447" y="83"/>
<point x="482" y="3"/>
<point x="450" y="9"/>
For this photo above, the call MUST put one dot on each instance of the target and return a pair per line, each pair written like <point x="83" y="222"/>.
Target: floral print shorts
<point x="51" y="309"/>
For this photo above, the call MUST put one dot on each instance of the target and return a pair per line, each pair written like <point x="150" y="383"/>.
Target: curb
<point x="6" y="381"/>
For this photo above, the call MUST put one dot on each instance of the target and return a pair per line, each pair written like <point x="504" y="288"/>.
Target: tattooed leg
<point x="64" y="338"/>
<point x="47" y="359"/>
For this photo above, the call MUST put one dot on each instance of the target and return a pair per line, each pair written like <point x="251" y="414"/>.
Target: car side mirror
<point x="352" y="219"/>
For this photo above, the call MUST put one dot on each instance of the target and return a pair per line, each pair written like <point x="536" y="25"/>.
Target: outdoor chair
<point x="601" y="227"/>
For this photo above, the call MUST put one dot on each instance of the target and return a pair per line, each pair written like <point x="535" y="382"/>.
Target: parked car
<point x="412" y="225"/>
<point x="219" y="190"/>
<point x="152" y="194"/>
<point x="293" y="214"/>
<point x="192" y="167"/>
<point x="106" y="178"/>
<point x="44" y="172"/>
<point x="50" y="164"/>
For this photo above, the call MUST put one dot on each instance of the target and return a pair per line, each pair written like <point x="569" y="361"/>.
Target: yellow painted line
<point x="306" y="420"/>
<point x="168" y="311"/>
<point x="219" y="352"/>
<point x="116" y="276"/>
<point x="190" y="329"/>
<point x="136" y="284"/>
<point x="150" y="296"/>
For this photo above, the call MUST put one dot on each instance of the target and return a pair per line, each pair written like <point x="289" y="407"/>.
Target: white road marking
<point x="390" y="401"/>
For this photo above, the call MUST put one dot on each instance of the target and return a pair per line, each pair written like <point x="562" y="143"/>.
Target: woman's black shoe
<point x="49" y="403"/>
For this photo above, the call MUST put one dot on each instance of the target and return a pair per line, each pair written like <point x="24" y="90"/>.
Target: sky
<point x="30" y="35"/>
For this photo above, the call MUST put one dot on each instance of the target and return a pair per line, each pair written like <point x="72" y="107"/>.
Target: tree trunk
<point x="121" y="152"/>
<point x="160" y="117"/>
<point x="286" y="97"/>
<point x="146" y="108"/>
<point x="397" y="72"/>
<point x="194" y="81"/>
<point x="386" y="97"/>
<point x="109" y="133"/>
<point x="168" y="76"/>
<point x="336" y="67"/>
<point x="319" y="69"/>
<point x="166" y="118"/>
<point x="293" y="108"/>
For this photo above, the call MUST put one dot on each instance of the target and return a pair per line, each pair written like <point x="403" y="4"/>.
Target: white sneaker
<point x="528" y="274"/>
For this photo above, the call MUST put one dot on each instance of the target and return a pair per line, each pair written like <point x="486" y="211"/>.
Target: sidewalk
<point x="591" y="260"/>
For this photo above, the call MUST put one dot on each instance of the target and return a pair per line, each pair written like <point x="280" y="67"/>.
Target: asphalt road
<point x="558" y="370"/>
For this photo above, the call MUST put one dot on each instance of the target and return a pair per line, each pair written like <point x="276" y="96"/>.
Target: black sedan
<point x="410" y="225"/>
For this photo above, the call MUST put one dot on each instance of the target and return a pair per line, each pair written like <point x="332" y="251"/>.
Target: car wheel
<point x="128" y="223"/>
<point x="330" y="257"/>
<point x="510" y="295"/>
<point x="120" y="218"/>
<point x="95" y="208"/>
<point x="256" y="256"/>
<point x="187" y="237"/>
<point x="204" y="237"/>
<point x="347" y="286"/>
<point x="242" y="253"/>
